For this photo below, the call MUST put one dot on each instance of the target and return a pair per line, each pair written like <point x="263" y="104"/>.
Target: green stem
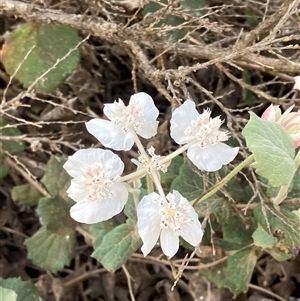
<point x="224" y="181"/>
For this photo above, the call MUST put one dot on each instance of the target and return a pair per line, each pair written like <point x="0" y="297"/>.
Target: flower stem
<point x="224" y="181"/>
<point x="155" y="173"/>
<point x="180" y="150"/>
<point x="142" y="171"/>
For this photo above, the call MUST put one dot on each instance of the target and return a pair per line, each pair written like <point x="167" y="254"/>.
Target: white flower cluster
<point x="100" y="192"/>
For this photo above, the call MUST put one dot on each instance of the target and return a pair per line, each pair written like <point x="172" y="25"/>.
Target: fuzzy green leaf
<point x="8" y="294"/>
<point x="118" y="245"/>
<point x="194" y="7"/>
<point x="56" y="179"/>
<point x="240" y="268"/>
<point x="188" y="183"/>
<point x="26" y="194"/>
<point x="262" y="238"/>
<point x="52" y="247"/>
<point x="216" y="205"/>
<point x="11" y="146"/>
<point x="237" y="231"/>
<point x="167" y="178"/>
<point x="273" y="149"/>
<point x="285" y="223"/>
<point x="25" y="290"/>
<point x="55" y="215"/>
<point x="50" y="250"/>
<point x="99" y="230"/>
<point x="4" y="169"/>
<point x="34" y="48"/>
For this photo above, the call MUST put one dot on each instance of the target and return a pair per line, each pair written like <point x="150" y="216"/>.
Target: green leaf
<point x="11" y="146"/>
<point x="294" y="190"/>
<point x="130" y="209"/>
<point x="165" y="23"/>
<point x="51" y="42"/>
<point x="99" y="230"/>
<point x="4" y="169"/>
<point x="237" y="231"/>
<point x="118" y="245"/>
<point x="285" y="223"/>
<point x="251" y="17"/>
<point x="262" y="238"/>
<point x="49" y="250"/>
<point x="240" y="268"/>
<point x="248" y="95"/>
<point x="25" y="290"/>
<point x="279" y="255"/>
<point x="219" y="276"/>
<point x="217" y="205"/>
<point x="56" y="179"/>
<point x="236" y="275"/>
<point x="194" y="7"/>
<point x="26" y="194"/>
<point x="8" y="294"/>
<point x="273" y="149"/>
<point x="167" y="178"/>
<point x="55" y="215"/>
<point x="188" y="183"/>
<point x="52" y="247"/>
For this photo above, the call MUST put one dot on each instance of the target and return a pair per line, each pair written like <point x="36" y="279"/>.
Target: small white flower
<point x="297" y="82"/>
<point x="119" y="133"/>
<point x="168" y="218"/>
<point x="95" y="187"/>
<point x="208" y="152"/>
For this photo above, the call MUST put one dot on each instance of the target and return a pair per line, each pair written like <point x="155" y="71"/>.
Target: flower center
<point x="129" y="118"/>
<point x="97" y="182"/>
<point x="152" y="163"/>
<point x="206" y="129"/>
<point x="173" y="213"/>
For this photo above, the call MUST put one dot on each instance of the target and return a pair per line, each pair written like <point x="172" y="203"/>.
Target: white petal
<point x="110" y="134"/>
<point x="213" y="157"/>
<point x="97" y="211"/>
<point x="297" y="82"/>
<point x="81" y="158"/>
<point x="88" y="157"/>
<point x="109" y="158"/>
<point x="76" y="193"/>
<point x="192" y="232"/>
<point x="150" y="111"/>
<point x="181" y="120"/>
<point x="111" y="110"/>
<point x="148" y="222"/>
<point x="169" y="242"/>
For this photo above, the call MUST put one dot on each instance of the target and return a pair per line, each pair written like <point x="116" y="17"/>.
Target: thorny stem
<point x="283" y="191"/>
<point x="224" y="181"/>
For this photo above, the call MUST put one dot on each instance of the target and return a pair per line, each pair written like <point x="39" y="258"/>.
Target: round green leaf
<point x="11" y="146"/>
<point x="24" y="290"/>
<point x="8" y="294"/>
<point x="42" y="45"/>
<point x="273" y="149"/>
<point x="51" y="250"/>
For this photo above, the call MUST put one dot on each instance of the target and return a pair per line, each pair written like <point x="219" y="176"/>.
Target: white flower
<point x="297" y="82"/>
<point x="168" y="218"/>
<point x="95" y="187"/>
<point x="119" y="133"/>
<point x="207" y="152"/>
